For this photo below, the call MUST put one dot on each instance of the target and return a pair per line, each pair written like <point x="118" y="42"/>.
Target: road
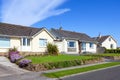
<point x="106" y="74"/>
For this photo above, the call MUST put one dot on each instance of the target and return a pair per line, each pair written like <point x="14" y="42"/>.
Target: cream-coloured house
<point x="25" y="39"/>
<point x="106" y="41"/>
<point x="73" y="42"/>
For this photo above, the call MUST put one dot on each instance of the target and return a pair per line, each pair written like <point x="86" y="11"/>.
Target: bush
<point x="52" y="49"/>
<point x="24" y="63"/>
<point x="13" y="49"/>
<point x="14" y="55"/>
<point x="112" y="51"/>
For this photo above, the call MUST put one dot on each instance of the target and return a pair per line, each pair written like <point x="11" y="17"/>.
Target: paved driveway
<point x="8" y="68"/>
<point x="10" y="71"/>
<point x="106" y="74"/>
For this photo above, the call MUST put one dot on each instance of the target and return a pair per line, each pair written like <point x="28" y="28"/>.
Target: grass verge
<point x="79" y="70"/>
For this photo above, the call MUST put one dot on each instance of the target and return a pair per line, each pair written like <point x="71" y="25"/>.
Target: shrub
<point x="14" y="55"/>
<point x="112" y="51"/>
<point x="13" y="49"/>
<point x="52" y="49"/>
<point x="24" y="63"/>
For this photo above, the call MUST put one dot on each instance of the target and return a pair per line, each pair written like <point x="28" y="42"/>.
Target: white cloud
<point x="28" y="12"/>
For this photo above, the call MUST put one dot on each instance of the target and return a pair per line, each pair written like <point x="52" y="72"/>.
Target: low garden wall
<point x="3" y="54"/>
<point x="32" y="53"/>
<point x="25" y="53"/>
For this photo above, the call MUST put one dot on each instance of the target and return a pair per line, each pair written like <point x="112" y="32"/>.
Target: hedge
<point x="112" y="51"/>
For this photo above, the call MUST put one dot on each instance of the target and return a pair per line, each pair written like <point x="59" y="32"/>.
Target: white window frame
<point x="109" y="39"/>
<point x="41" y="45"/>
<point x="1" y="42"/>
<point x="26" y="42"/>
<point x="91" y="45"/>
<point x="68" y="42"/>
<point x="83" y="47"/>
<point x="111" y="46"/>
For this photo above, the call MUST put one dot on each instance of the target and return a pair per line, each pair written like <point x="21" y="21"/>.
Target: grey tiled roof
<point x="71" y="35"/>
<point x="17" y="30"/>
<point x="101" y="39"/>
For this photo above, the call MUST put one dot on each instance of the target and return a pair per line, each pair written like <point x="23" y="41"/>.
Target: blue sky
<point x="87" y="16"/>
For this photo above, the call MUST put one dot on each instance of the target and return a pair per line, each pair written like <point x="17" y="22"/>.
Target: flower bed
<point x="15" y="57"/>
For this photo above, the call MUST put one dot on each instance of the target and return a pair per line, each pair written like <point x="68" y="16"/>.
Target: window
<point x="26" y="42"/>
<point x="43" y="42"/>
<point x="71" y="44"/>
<point x="91" y="45"/>
<point x="109" y="39"/>
<point x="83" y="46"/>
<point x="111" y="46"/>
<point x="5" y="42"/>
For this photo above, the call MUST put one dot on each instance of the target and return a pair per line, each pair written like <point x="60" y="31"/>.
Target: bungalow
<point x="25" y="39"/>
<point x="106" y="41"/>
<point x="73" y="42"/>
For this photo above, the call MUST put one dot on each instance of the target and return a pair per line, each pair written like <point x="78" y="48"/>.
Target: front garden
<point x="54" y="60"/>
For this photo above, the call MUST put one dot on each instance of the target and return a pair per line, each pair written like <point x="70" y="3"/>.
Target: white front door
<point x="26" y="44"/>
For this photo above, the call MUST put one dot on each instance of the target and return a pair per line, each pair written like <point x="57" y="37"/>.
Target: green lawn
<point x="43" y="59"/>
<point x="79" y="70"/>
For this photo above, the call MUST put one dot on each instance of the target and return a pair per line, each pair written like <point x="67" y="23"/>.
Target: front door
<point x="26" y="44"/>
